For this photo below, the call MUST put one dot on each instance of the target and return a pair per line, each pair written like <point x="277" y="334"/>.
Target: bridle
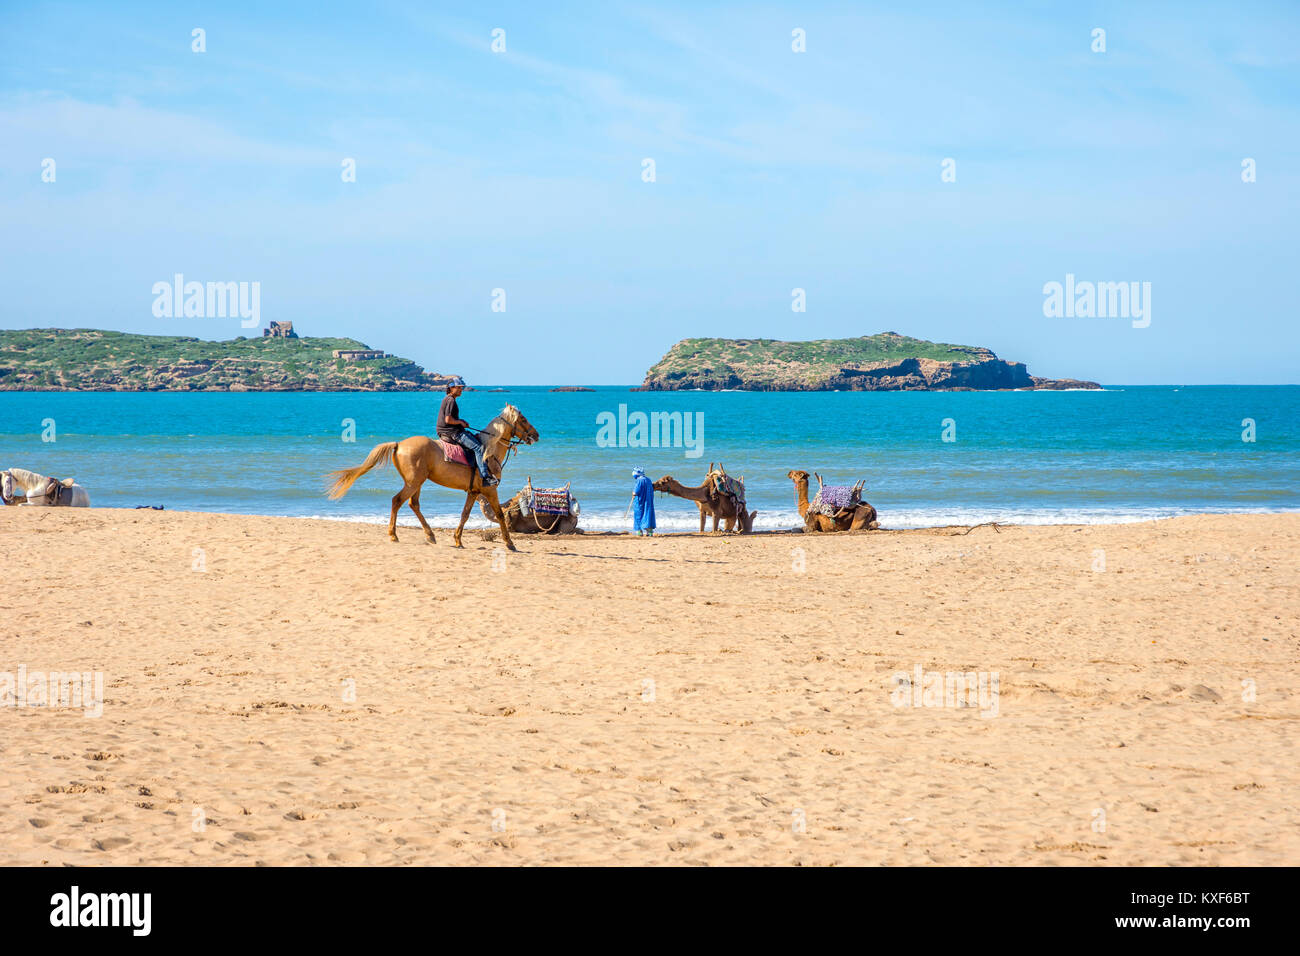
<point x="513" y="443"/>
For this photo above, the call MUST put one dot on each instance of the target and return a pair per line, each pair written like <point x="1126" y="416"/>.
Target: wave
<point x="896" y="520"/>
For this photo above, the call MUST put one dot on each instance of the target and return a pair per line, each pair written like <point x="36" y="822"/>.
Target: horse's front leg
<point x="464" y="515"/>
<point x="415" y="506"/>
<point x="491" y="495"/>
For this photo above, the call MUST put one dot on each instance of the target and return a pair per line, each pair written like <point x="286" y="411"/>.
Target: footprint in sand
<point x="347" y="856"/>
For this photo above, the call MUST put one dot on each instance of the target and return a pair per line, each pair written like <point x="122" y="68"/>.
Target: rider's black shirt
<point x="448" y="410"/>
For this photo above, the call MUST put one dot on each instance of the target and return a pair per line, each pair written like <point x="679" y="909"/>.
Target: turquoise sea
<point x="1123" y="454"/>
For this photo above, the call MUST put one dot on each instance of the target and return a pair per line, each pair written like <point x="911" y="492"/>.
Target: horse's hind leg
<point x="393" y="518"/>
<point x="415" y="506"/>
<point x="399" y="499"/>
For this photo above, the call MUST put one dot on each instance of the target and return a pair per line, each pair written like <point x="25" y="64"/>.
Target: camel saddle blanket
<point x="453" y="452"/>
<point x="551" y="501"/>
<point x="832" y="499"/>
<point x="728" y="486"/>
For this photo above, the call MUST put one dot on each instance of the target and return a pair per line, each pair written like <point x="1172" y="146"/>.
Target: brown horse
<point x="420" y="458"/>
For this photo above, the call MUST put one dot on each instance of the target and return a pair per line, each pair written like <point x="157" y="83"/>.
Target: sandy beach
<point x="296" y="692"/>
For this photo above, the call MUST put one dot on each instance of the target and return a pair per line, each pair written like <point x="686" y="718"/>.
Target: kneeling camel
<point x="861" y="518"/>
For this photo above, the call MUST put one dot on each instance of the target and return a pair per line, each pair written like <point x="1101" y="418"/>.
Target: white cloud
<point x="77" y="133"/>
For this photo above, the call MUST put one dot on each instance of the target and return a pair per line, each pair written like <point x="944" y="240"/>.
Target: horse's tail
<point x="344" y="478"/>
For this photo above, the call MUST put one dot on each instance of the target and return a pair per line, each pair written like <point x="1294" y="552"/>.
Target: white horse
<point x="41" y="491"/>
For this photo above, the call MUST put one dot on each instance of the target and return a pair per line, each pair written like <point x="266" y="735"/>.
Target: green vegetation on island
<point x="884" y="362"/>
<point x="94" y="360"/>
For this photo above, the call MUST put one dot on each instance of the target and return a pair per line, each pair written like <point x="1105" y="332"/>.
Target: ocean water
<point x="1123" y="454"/>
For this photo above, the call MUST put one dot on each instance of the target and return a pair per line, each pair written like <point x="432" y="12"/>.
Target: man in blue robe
<point x="643" y="503"/>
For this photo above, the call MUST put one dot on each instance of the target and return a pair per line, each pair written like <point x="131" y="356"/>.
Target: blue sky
<point x="774" y="170"/>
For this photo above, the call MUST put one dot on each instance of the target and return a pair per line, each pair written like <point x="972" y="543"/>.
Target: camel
<point x="861" y="518"/>
<point x="420" y="458"/>
<point x="731" y="509"/>
<point x="534" y="523"/>
<point x="710" y="503"/>
<point x="39" y="491"/>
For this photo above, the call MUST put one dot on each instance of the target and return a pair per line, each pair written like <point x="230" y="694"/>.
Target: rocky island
<point x="884" y="362"/>
<point x="92" y="360"/>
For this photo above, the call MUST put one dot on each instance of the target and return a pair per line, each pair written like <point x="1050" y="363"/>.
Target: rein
<point x="512" y="444"/>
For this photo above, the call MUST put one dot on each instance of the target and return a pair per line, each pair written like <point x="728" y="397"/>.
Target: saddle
<point x="725" y="485"/>
<point x="547" y="501"/>
<point x="53" y="492"/>
<point x="453" y="452"/>
<point x="831" y="500"/>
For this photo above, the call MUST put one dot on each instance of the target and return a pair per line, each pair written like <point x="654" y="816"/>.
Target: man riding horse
<point x="452" y="428"/>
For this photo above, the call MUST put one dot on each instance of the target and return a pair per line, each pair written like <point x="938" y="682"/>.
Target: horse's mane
<point x="27" y="479"/>
<point x="508" y="416"/>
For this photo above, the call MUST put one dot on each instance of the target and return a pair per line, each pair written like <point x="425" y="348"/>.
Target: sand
<point x="682" y="700"/>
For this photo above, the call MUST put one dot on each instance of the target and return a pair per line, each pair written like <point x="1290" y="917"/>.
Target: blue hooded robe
<point x="643" y="508"/>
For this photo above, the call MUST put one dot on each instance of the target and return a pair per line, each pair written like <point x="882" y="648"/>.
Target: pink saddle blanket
<point x="453" y="452"/>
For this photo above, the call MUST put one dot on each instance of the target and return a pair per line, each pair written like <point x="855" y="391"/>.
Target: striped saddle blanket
<point x="550" y="501"/>
<point x="731" y="487"/>
<point x="832" y="499"/>
<point x="453" y="452"/>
